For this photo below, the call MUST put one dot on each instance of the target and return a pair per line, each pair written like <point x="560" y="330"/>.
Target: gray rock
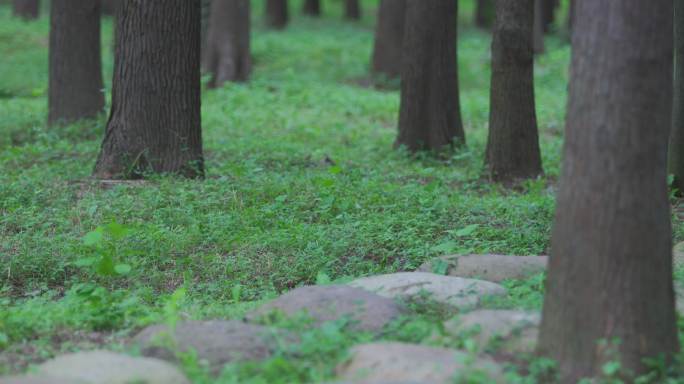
<point x="495" y="268"/>
<point x="406" y="363"/>
<point x="33" y="379"/>
<point x="511" y="331"/>
<point x="367" y="311"/>
<point x="215" y="342"/>
<point x="451" y="291"/>
<point x="105" y="367"/>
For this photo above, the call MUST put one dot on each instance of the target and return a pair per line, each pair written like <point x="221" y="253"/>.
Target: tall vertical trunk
<point x="513" y="142"/>
<point x="549" y="13"/>
<point x="352" y="9"/>
<point x="389" y="35"/>
<point x="430" y="112"/>
<point x="676" y="147"/>
<point x="277" y="13"/>
<point x="539" y="26"/>
<point x="204" y="31"/>
<point x="228" y="55"/>
<point x="610" y="274"/>
<point x="484" y="13"/>
<point x="26" y="9"/>
<point x="154" y="125"/>
<point x="312" y="7"/>
<point x="109" y="7"/>
<point x="75" y="66"/>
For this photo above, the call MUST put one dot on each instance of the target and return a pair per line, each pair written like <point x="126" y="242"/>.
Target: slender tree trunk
<point x="539" y="27"/>
<point x="352" y="9"/>
<point x="389" y="35"/>
<point x="277" y="13"/>
<point x="549" y="13"/>
<point x="676" y="147"/>
<point x="75" y="74"/>
<point x="26" y="9"/>
<point x="109" y="7"/>
<point x="312" y="7"/>
<point x="154" y="124"/>
<point x="513" y="143"/>
<point x="610" y="274"/>
<point x="204" y="32"/>
<point x="430" y="112"/>
<point x="484" y="14"/>
<point x="228" y="55"/>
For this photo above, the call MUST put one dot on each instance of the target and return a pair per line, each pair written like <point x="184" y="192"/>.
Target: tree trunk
<point x="75" y="67"/>
<point x="389" y="35"/>
<point x="430" y="112"/>
<point x="549" y="13"/>
<point x="513" y="143"/>
<point x="352" y="9"/>
<point x="539" y="27"/>
<point x="484" y="14"/>
<point x="277" y="14"/>
<point x="676" y="147"/>
<point x="610" y="274"/>
<point x="26" y="9"/>
<point x="204" y="31"/>
<point x="228" y="55"/>
<point x="154" y="124"/>
<point x="109" y="7"/>
<point x="312" y="7"/>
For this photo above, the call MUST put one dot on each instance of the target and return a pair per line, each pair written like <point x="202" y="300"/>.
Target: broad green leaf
<point x="122" y="269"/>
<point x="94" y="238"/>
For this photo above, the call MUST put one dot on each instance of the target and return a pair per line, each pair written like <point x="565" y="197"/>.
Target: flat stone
<point x="215" y="342"/>
<point x="392" y="362"/>
<point x="511" y="331"/>
<point x="367" y="311"/>
<point x="455" y="292"/>
<point x="33" y="379"/>
<point x="495" y="268"/>
<point x="105" y="367"/>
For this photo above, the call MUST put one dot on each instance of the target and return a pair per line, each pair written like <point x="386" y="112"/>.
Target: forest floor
<point x="303" y="186"/>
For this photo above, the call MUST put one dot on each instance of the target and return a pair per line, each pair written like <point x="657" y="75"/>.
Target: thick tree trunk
<point x="154" y="124"/>
<point x="389" y="35"/>
<point x="676" y="147"/>
<point x="430" y="112"/>
<point x="513" y="143"/>
<point x="26" y="9"/>
<point x="610" y="273"/>
<point x="228" y="55"/>
<point x="539" y="27"/>
<point x="485" y="14"/>
<point x="312" y="7"/>
<point x="277" y="13"/>
<point x="75" y="74"/>
<point x="352" y="9"/>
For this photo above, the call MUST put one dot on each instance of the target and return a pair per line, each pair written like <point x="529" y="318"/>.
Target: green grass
<point x="274" y="212"/>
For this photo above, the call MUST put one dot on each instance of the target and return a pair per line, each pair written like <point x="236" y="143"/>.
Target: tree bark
<point x="513" y="142"/>
<point x="610" y="274"/>
<point x="154" y="125"/>
<point x="485" y="14"/>
<point x="676" y="147"/>
<point x="109" y="7"/>
<point x="352" y="9"/>
<point x="389" y="35"/>
<point x="312" y="7"/>
<point x="430" y="112"/>
<point x="539" y="27"/>
<point x="277" y="14"/>
<point x="549" y="13"/>
<point x="228" y="55"/>
<point x="26" y="9"/>
<point x="75" y="68"/>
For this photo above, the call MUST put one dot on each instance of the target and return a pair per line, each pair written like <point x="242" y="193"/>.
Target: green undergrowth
<point x="302" y="186"/>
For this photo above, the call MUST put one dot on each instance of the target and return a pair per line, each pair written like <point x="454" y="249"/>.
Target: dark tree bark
<point x="228" y="55"/>
<point x="513" y="142"/>
<point x="389" y="35"/>
<point x="610" y="274"/>
<point x="549" y="13"/>
<point x="26" y="9"/>
<point x="352" y="9"/>
<point x="484" y="14"/>
<point x="312" y="7"/>
<point x="277" y="14"/>
<point x="676" y="147"/>
<point x="430" y="112"/>
<point x="539" y="27"/>
<point x="154" y="124"/>
<point x="75" y="67"/>
<point x="109" y="7"/>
